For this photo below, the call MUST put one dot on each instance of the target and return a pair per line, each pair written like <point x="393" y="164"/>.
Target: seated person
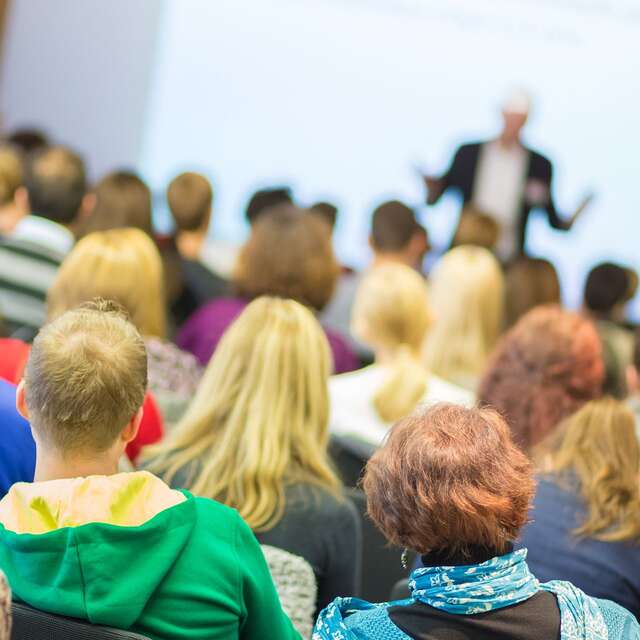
<point x="120" y="549"/>
<point x="476" y="228"/>
<point x="190" y="198"/>
<point x="255" y="438"/>
<point x="17" y="448"/>
<point x="450" y="484"/>
<point x="288" y="254"/>
<point x="392" y="315"/>
<point x="14" y="203"/>
<point x="585" y="521"/>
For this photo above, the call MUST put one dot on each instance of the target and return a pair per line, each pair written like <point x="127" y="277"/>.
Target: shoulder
<point x="620" y="623"/>
<point x="217" y="517"/>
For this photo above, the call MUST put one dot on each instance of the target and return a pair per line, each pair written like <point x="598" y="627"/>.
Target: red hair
<point x="543" y="370"/>
<point x="449" y="479"/>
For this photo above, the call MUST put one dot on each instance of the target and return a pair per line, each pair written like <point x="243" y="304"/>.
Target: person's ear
<point x="132" y="427"/>
<point x="21" y="401"/>
<point x="88" y="204"/>
<point x="21" y="200"/>
<point x="632" y="379"/>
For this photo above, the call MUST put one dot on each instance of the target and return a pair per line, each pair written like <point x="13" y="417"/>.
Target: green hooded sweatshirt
<point x="126" y="551"/>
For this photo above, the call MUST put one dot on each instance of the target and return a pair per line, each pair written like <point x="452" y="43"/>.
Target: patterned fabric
<point x="496" y="583"/>
<point x="296" y="586"/>
<point x="468" y="590"/>
<point x="171" y="369"/>
<point x="5" y="608"/>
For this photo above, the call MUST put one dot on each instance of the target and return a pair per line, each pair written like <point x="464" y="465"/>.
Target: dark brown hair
<point x="289" y="254"/>
<point x="449" y="479"/>
<point x="392" y="226"/>
<point x="189" y="196"/>
<point x="543" y="370"/>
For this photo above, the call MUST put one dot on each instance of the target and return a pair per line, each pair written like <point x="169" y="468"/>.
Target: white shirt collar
<point x="44" y="232"/>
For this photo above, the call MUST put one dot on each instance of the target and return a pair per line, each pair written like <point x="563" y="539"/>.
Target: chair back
<point x="349" y="456"/>
<point x="32" y="624"/>
<point x="296" y="585"/>
<point x="381" y="563"/>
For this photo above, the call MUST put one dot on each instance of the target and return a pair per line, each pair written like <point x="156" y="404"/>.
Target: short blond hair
<point x="11" y="175"/>
<point x="189" y="196"/>
<point x="86" y="377"/>
<point x="123" y="265"/>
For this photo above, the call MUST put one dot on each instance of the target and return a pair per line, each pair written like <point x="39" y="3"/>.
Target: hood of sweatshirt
<point x="80" y="547"/>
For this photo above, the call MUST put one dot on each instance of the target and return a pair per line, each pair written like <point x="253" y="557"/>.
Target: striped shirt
<point x="29" y="261"/>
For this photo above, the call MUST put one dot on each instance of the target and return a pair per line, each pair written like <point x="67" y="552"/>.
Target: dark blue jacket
<point x="608" y="570"/>
<point x="17" y="448"/>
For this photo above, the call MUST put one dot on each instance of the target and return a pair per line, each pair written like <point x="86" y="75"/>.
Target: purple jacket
<point x="201" y="333"/>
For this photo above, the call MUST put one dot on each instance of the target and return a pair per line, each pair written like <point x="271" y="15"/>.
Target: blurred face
<point x="513" y="123"/>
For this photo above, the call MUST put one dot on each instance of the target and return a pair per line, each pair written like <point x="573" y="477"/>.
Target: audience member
<point x="450" y="484"/>
<point x="124" y="265"/>
<point x="585" y="522"/>
<point x="608" y="289"/>
<point x="476" y="228"/>
<point x="467" y="294"/>
<point x="121" y="199"/>
<point x="120" y="549"/>
<point x="5" y="608"/>
<point x="391" y="315"/>
<point x="265" y="199"/>
<point x="17" y="449"/>
<point x="530" y="283"/>
<point x="289" y="254"/>
<point x="255" y="438"/>
<point x="544" y="369"/>
<point x="632" y="382"/>
<point x="14" y="204"/>
<point x="190" y="197"/>
<point x="396" y="236"/>
<point x="29" y="140"/>
<point x="327" y="211"/>
<point x="31" y="254"/>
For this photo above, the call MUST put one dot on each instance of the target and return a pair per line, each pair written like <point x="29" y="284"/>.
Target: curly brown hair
<point x="449" y="479"/>
<point x="289" y="254"/>
<point x="543" y="370"/>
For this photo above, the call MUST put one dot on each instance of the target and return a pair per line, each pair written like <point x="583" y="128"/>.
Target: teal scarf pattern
<point x="467" y="590"/>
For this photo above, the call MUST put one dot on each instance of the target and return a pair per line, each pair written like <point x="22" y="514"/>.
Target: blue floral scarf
<point x="466" y="590"/>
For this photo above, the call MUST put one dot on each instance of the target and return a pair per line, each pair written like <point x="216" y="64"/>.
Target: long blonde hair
<point x="598" y="447"/>
<point x="122" y="265"/>
<point x="391" y="313"/>
<point x="467" y="294"/>
<point x="259" y="420"/>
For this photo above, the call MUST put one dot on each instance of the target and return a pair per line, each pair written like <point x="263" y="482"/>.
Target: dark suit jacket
<point x="462" y="172"/>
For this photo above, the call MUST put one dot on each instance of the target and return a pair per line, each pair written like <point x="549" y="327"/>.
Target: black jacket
<point x="462" y="172"/>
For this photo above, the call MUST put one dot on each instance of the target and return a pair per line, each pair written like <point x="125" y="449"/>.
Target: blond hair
<point x="122" y="265"/>
<point x="391" y="313"/>
<point x="10" y="174"/>
<point x="467" y="294"/>
<point x="259" y="420"/>
<point x="598" y="447"/>
<point x="86" y="377"/>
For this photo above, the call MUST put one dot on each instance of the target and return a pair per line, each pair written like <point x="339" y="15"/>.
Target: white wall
<point x="81" y="69"/>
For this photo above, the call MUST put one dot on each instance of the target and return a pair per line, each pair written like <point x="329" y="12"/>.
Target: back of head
<point x="11" y="174"/>
<point x="260" y="416"/>
<point x="476" y="228"/>
<point x="393" y="225"/>
<point x="391" y="314"/>
<point x="607" y="286"/>
<point x="449" y="479"/>
<point x="265" y="199"/>
<point x="28" y="140"/>
<point x="190" y="196"/>
<point x="530" y="283"/>
<point x="327" y="211"/>
<point x="122" y="265"/>
<point x="544" y="369"/>
<point x="86" y="377"/>
<point x="56" y="183"/>
<point x="467" y="295"/>
<point x="598" y="447"/>
<point x="122" y="200"/>
<point x="288" y="254"/>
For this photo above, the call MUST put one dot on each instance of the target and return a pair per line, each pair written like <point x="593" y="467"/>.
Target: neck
<point x="190" y="243"/>
<point x="472" y="555"/>
<point x="51" y="466"/>
<point x="508" y="142"/>
<point x="395" y="257"/>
